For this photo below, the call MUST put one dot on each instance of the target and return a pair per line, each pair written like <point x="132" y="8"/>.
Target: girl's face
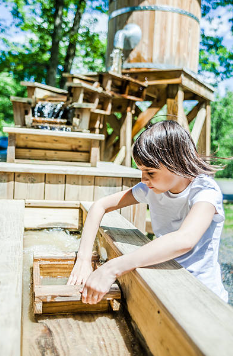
<point x="161" y="180"/>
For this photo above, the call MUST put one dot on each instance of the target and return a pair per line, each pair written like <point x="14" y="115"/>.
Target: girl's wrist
<point x="120" y="265"/>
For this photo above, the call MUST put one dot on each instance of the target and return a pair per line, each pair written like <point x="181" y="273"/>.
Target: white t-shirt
<point x="169" y="210"/>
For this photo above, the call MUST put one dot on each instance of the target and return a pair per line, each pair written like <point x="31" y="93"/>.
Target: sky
<point x="219" y="26"/>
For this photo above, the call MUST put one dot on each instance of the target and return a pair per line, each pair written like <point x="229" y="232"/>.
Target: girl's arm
<point x="82" y="268"/>
<point x="164" y="248"/>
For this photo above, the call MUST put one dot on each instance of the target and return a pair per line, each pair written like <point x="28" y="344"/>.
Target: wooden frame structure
<point x="48" y="146"/>
<point x="176" y="322"/>
<point x="54" y="299"/>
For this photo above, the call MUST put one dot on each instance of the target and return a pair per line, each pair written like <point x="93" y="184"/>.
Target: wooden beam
<point x="200" y="119"/>
<point x="147" y="115"/>
<point x="193" y="113"/>
<point x="120" y="156"/>
<point x="11" y="265"/>
<point x="164" y="81"/>
<point x="181" y="316"/>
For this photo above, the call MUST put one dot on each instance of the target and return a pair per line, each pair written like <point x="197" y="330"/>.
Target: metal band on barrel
<point x="124" y="10"/>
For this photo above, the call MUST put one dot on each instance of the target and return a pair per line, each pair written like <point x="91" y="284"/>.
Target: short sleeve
<point x="206" y="189"/>
<point x="140" y="192"/>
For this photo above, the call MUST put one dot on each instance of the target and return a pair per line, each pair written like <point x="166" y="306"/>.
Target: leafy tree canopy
<point x="215" y="57"/>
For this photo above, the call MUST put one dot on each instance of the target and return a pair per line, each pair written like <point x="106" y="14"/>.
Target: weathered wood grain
<point x="11" y="260"/>
<point x="183" y="317"/>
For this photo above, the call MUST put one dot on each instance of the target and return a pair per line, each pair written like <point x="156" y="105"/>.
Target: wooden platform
<point x="70" y="183"/>
<point x="49" y="145"/>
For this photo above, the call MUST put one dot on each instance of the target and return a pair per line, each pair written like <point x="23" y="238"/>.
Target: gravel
<point x="226" y="261"/>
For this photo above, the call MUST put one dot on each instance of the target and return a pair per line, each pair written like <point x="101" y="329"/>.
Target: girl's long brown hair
<point x="169" y="144"/>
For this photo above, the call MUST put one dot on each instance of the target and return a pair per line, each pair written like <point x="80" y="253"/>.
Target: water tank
<point x="170" y="32"/>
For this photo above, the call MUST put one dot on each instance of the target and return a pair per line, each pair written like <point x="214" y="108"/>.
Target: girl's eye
<point x="150" y="174"/>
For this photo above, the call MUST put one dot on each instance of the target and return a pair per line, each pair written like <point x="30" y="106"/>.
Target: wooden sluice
<point x="170" y="310"/>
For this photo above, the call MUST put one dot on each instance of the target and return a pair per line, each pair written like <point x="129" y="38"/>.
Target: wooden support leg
<point x="102" y="143"/>
<point x="175" y="110"/>
<point x="95" y="152"/>
<point x="198" y="125"/>
<point x="11" y="148"/>
<point x="85" y="119"/>
<point x="204" y="139"/>
<point x="126" y="135"/>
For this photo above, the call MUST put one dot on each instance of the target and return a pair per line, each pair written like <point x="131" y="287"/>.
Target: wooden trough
<point x="171" y="311"/>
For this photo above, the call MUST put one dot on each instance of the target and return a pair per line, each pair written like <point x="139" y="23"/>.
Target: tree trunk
<point x="56" y="37"/>
<point x="73" y="36"/>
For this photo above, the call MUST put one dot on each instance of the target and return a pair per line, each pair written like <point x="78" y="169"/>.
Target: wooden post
<point x="175" y="98"/>
<point x="11" y="148"/>
<point x="125" y="135"/>
<point x="95" y="152"/>
<point x="204" y="139"/>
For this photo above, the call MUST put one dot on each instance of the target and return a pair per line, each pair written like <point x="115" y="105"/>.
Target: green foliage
<point x="8" y="87"/>
<point x="222" y="132"/>
<point x="30" y="60"/>
<point x="214" y="56"/>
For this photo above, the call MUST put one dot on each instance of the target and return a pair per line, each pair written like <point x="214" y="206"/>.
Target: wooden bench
<point x="46" y="146"/>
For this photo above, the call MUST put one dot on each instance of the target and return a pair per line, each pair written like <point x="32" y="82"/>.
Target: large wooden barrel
<point x="170" y="32"/>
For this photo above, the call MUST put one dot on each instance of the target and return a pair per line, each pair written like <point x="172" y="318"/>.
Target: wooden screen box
<point x="60" y="298"/>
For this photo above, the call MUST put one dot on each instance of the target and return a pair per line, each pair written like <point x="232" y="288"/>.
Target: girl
<point x="186" y="214"/>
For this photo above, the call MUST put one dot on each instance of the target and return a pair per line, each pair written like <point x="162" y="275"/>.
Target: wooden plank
<point x="55" y="187"/>
<point x="51" y="155"/>
<point x="104" y="186"/>
<point x="44" y="86"/>
<point x="196" y="87"/>
<point x="197" y="127"/>
<point x="11" y="264"/>
<point x="11" y="148"/>
<point x="189" y="319"/>
<point x="6" y="185"/>
<point x="27" y="131"/>
<point x="29" y="186"/>
<point x="52" y="143"/>
<point x="51" y="203"/>
<point x="43" y="218"/>
<point x="106" y="169"/>
<point x="79" y="188"/>
<point x="147" y="115"/>
<point x="21" y="100"/>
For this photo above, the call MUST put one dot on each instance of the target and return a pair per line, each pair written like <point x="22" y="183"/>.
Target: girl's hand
<point x="98" y="284"/>
<point x="80" y="273"/>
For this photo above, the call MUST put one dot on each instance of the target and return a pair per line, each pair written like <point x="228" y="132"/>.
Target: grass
<point x="228" y="225"/>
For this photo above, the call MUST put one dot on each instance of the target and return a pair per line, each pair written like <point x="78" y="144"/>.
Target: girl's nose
<point x="144" y="178"/>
